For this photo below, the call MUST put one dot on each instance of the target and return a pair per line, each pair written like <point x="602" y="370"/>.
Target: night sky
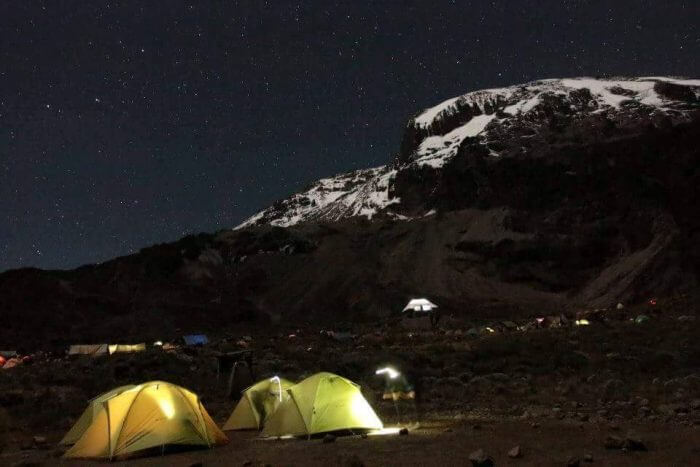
<point x="128" y="123"/>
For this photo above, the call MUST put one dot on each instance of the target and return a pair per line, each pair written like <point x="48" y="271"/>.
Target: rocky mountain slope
<point x="549" y="196"/>
<point x="517" y="121"/>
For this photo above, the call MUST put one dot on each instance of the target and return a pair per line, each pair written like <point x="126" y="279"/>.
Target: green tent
<point x="321" y="403"/>
<point x="257" y="403"/>
<point x="85" y="420"/>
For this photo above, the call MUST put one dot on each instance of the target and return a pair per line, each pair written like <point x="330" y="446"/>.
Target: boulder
<point x="515" y="453"/>
<point x="479" y="458"/>
<point x="614" y="442"/>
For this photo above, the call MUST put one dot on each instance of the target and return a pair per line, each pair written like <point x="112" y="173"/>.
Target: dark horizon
<point x="125" y="124"/>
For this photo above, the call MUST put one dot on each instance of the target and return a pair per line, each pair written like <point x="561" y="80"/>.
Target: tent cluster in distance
<point x="156" y="415"/>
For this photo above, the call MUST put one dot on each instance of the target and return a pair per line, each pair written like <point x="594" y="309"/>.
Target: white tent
<point x="420" y="304"/>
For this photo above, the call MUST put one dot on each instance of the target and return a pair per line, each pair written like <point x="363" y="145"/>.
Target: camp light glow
<point x="279" y="385"/>
<point x="388" y="371"/>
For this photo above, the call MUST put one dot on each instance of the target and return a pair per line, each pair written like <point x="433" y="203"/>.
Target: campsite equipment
<point x="195" y="339"/>
<point x="321" y="403"/>
<point x="257" y="403"/>
<point x="641" y="319"/>
<point x="151" y="415"/>
<point x="126" y="348"/>
<point x="97" y="349"/>
<point x="418" y="307"/>
<point x="85" y="420"/>
<point x="228" y="363"/>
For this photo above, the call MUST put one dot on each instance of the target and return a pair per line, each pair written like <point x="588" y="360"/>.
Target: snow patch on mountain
<point x="483" y="117"/>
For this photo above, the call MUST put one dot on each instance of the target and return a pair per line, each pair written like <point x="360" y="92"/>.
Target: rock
<point x="515" y="453"/>
<point x="403" y="431"/>
<point x="620" y="306"/>
<point x="588" y="458"/>
<point x="573" y="462"/>
<point x="534" y="425"/>
<point x="329" y="438"/>
<point x="39" y="441"/>
<point x="354" y="461"/>
<point x="695" y="404"/>
<point x="633" y="443"/>
<point x="479" y="458"/>
<point x="613" y="442"/>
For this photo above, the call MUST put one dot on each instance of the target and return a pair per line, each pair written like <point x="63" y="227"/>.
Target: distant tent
<point x="151" y="415"/>
<point x="420" y="304"/>
<point x="98" y="349"/>
<point x="126" y="348"/>
<point x="257" y="403"/>
<point x="195" y="339"/>
<point x="321" y="403"/>
<point x="94" y="406"/>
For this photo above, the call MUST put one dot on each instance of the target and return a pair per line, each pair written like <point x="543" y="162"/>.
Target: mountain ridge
<point x="434" y="135"/>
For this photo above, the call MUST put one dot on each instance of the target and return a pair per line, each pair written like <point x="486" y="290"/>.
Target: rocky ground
<point x="616" y="392"/>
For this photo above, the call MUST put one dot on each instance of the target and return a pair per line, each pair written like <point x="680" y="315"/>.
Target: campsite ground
<point x="557" y="393"/>
<point x="438" y="442"/>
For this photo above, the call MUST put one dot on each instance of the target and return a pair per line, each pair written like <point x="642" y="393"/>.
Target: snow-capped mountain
<point x="510" y="122"/>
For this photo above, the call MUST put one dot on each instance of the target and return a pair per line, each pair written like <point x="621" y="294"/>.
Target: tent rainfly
<point x="257" y="403"/>
<point x="126" y="348"/>
<point x="151" y="415"/>
<point x="321" y="403"/>
<point x="420" y="304"/>
<point x="98" y="349"/>
<point x="195" y="339"/>
<point x="94" y="406"/>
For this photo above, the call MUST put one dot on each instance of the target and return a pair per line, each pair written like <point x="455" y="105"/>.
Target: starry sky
<point x="129" y="123"/>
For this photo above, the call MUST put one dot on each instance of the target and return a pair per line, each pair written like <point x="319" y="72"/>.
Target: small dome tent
<point x="257" y="403"/>
<point x="321" y="403"/>
<point x="151" y="415"/>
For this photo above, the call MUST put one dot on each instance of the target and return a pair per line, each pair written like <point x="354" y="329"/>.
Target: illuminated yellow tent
<point x="126" y="348"/>
<point x="257" y="403"/>
<point x="321" y="403"/>
<point x="151" y="415"/>
<point x="95" y="405"/>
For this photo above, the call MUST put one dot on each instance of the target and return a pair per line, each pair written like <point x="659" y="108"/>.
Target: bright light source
<point x="387" y="371"/>
<point x="384" y="431"/>
<point x="582" y="322"/>
<point x="166" y="405"/>
<point x="158" y="343"/>
<point x="489" y="329"/>
<point x="279" y="385"/>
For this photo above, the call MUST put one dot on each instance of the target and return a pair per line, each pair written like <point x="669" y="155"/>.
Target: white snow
<point x="366" y="192"/>
<point x="681" y="81"/>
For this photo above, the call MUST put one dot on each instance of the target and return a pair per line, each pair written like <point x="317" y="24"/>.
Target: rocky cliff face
<point x="553" y="195"/>
<point x="526" y="122"/>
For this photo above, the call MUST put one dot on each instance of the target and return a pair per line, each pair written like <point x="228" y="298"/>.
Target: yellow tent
<point x="126" y="348"/>
<point x="321" y="403"/>
<point x="150" y="415"/>
<point x="95" y="405"/>
<point x="257" y="403"/>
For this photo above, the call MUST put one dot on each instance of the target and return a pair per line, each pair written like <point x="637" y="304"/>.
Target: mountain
<point x="548" y="196"/>
<point x="515" y="122"/>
